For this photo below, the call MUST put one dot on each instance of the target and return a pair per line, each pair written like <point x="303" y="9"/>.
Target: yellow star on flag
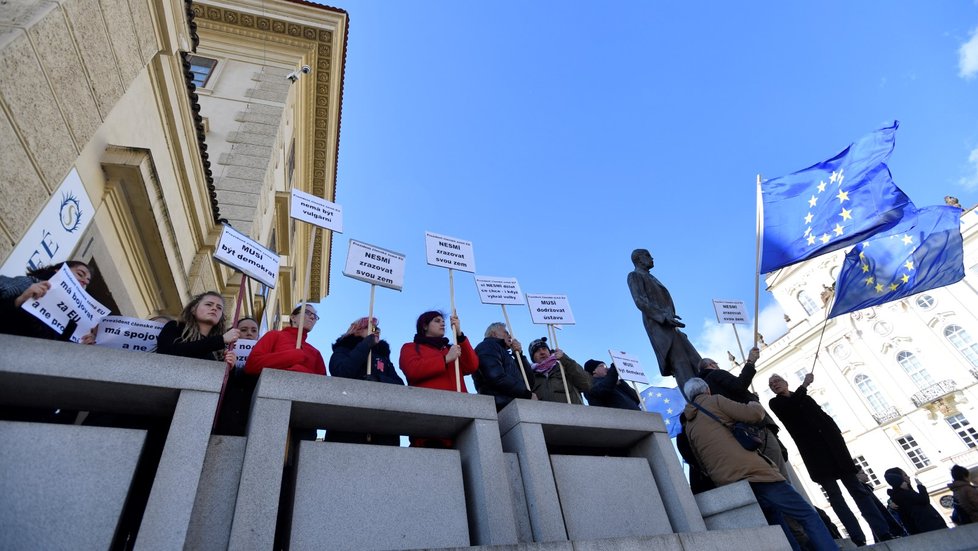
<point x="843" y="196"/>
<point x="837" y="229"/>
<point x="865" y="267"/>
<point x="808" y="218"/>
<point x="907" y="240"/>
<point x="846" y="214"/>
<point x="909" y="264"/>
<point x="893" y="286"/>
<point x="879" y="287"/>
<point x="821" y="187"/>
<point x="811" y="239"/>
<point x="869" y="280"/>
<point x="812" y="201"/>
<point x="825" y="238"/>
<point x="905" y="278"/>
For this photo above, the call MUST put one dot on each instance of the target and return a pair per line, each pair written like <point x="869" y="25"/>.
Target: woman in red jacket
<point x="429" y="362"/>
<point x="276" y="349"/>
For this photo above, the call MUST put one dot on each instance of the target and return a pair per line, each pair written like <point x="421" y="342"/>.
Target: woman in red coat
<point x="429" y="362"/>
<point x="276" y="349"/>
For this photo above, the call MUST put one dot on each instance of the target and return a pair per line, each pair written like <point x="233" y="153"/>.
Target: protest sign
<point x="248" y="257"/>
<point x="449" y="252"/>
<point x="550" y="309"/>
<point x="730" y="311"/>
<point x="125" y="333"/>
<point x="242" y="349"/>
<point x="316" y="211"/>
<point x="375" y="265"/>
<point x="66" y="300"/>
<point x="499" y="290"/>
<point x="629" y="368"/>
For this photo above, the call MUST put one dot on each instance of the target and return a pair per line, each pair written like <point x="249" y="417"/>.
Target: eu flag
<point x="668" y="402"/>
<point x="832" y="204"/>
<point x="923" y="252"/>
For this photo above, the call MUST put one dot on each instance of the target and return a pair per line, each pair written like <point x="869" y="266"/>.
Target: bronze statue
<point x="677" y="356"/>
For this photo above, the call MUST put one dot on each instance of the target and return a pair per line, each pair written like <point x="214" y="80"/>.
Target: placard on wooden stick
<point x="316" y="211"/>
<point x="730" y="311"/>
<point x="247" y="256"/>
<point x="499" y="290"/>
<point x="449" y="252"/>
<point x="375" y="265"/>
<point x="550" y="309"/>
<point x="629" y="368"/>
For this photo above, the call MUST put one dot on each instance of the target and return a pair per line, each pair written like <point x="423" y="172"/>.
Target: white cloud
<point x="968" y="57"/>
<point x="970" y="181"/>
<point x="716" y="340"/>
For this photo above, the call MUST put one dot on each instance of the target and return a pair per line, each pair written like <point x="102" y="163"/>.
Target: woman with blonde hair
<point x="199" y="332"/>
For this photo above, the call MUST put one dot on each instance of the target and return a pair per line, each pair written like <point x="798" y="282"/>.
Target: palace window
<point x="871" y="394"/>
<point x="964" y="430"/>
<point x="913" y="451"/>
<point x="925" y="302"/>
<point x="202" y="68"/>
<point x="861" y="462"/>
<point x="807" y="302"/>
<point x="962" y="342"/>
<point x="912" y="366"/>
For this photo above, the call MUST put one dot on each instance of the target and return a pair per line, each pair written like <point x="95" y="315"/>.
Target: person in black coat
<point x="736" y="388"/>
<point x="916" y="511"/>
<point x="608" y="390"/>
<point x="349" y="361"/>
<point x="499" y="371"/>
<point x="826" y="456"/>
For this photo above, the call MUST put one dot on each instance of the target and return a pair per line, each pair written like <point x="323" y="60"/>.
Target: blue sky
<point x="558" y="137"/>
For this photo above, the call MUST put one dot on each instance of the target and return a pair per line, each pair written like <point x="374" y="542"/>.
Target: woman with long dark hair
<point x="15" y="291"/>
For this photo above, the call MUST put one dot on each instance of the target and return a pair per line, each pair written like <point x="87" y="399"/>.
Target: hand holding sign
<point x="65" y="301"/>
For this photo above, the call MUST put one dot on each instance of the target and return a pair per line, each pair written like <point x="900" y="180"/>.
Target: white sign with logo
<point x="449" y="252"/>
<point x="56" y="230"/>
<point x="629" y="368"/>
<point x="375" y="265"/>
<point x="316" y="211"/>
<point x="66" y="301"/>
<point x="242" y="349"/>
<point x="499" y="290"/>
<point x="550" y="309"/>
<point x="244" y="254"/>
<point x="128" y="333"/>
<point x="730" y="311"/>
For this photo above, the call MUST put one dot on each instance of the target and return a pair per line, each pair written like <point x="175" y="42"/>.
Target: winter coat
<point x="425" y="365"/>
<point x="716" y="449"/>
<point x="966" y="494"/>
<point x="819" y="440"/>
<point x="549" y="387"/>
<point x="736" y="387"/>
<point x="916" y="512"/>
<point x="349" y="360"/>
<point x="207" y="348"/>
<point x="499" y="373"/>
<point x="276" y="350"/>
<point x="611" y="392"/>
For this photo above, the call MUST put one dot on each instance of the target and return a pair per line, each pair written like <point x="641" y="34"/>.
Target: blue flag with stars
<point x="924" y="251"/>
<point x="832" y="204"/>
<point x="669" y="403"/>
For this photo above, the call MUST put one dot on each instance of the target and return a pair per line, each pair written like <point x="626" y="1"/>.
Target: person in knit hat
<point x="607" y="389"/>
<point x="547" y="382"/>
<point x="916" y="511"/>
<point x="965" y="494"/>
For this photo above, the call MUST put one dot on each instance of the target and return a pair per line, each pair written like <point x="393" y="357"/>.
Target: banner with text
<point x="552" y="309"/>
<point x="316" y="211"/>
<point x="128" y="333"/>
<point x="499" y="290"/>
<point x="244" y="254"/>
<point x="449" y="252"/>
<point x="629" y="369"/>
<point x="242" y="349"/>
<point x="730" y="311"/>
<point x="375" y="265"/>
<point x="65" y="301"/>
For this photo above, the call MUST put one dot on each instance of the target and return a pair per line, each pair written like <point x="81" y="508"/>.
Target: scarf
<point x="435" y="342"/>
<point x="546" y="365"/>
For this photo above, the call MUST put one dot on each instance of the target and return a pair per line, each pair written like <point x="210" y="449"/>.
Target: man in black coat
<point x="608" y="390"/>
<point x="737" y="388"/>
<point x="826" y="456"/>
<point x="499" y="373"/>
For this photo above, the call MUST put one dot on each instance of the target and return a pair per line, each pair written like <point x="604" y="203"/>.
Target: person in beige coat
<point x="726" y="462"/>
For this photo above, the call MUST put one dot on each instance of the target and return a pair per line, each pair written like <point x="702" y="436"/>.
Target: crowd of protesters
<point x="438" y="359"/>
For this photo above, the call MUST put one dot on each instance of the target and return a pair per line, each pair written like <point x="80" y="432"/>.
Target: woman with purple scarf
<point x="548" y="384"/>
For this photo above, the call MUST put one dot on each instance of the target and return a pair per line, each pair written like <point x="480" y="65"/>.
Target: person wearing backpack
<point x="965" y="496"/>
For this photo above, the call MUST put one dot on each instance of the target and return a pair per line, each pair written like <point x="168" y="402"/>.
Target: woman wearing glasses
<point x="276" y="349"/>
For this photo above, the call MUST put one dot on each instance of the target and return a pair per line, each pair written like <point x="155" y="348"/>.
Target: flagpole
<point x="828" y="303"/>
<point x="757" y="271"/>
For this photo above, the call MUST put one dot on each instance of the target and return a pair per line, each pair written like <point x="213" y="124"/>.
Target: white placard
<point x="128" y="333"/>
<point x="316" y="211"/>
<point x="244" y="254"/>
<point x="56" y="230"/>
<point x="550" y="309"/>
<point x="242" y="349"/>
<point x="730" y="311"/>
<point x="449" y="252"/>
<point x="629" y="368"/>
<point x="499" y="290"/>
<point x="375" y="265"/>
<point x="64" y="301"/>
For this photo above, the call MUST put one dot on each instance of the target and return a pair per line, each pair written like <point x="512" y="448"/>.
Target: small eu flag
<point x="668" y="402"/>
<point x="832" y="204"/>
<point x="923" y="252"/>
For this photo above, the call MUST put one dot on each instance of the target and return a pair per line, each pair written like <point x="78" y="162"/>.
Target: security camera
<point x="306" y="69"/>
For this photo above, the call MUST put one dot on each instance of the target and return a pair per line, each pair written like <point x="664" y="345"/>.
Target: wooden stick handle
<point x="451" y="291"/>
<point x="305" y="288"/>
<point x="743" y="357"/>
<point x="640" y="399"/>
<point x="519" y="355"/>
<point x="370" y="327"/>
